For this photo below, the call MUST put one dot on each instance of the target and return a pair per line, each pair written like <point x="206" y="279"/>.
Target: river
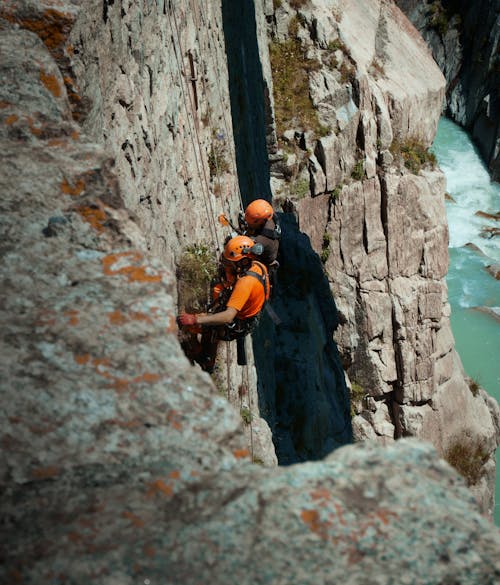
<point x="477" y="333"/>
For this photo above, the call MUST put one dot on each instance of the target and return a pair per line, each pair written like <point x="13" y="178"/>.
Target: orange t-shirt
<point x="248" y="295"/>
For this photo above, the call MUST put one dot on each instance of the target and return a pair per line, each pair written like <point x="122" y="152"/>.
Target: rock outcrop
<point x="120" y="462"/>
<point x="464" y="39"/>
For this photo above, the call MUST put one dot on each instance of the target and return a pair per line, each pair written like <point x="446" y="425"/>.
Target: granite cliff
<point x="121" y="462"/>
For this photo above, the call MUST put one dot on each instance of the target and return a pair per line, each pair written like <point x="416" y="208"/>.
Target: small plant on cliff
<point x="414" y="155"/>
<point x="325" y="247"/>
<point x="357" y="394"/>
<point x="468" y="458"/>
<point x="246" y="415"/>
<point x="277" y="4"/>
<point x="474" y="386"/>
<point x="217" y="158"/>
<point x="195" y="270"/>
<point x="358" y="172"/>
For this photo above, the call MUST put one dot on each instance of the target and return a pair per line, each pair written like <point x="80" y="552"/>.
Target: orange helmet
<point x="238" y="248"/>
<point x="258" y="212"/>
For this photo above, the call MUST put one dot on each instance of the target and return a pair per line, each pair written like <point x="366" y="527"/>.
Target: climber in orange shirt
<point x="237" y="299"/>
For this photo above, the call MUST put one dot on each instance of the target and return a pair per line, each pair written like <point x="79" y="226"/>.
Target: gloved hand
<point x="187" y="319"/>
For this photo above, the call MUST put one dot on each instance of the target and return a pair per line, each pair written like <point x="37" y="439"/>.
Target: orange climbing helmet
<point x="258" y="212"/>
<point x="238" y="248"/>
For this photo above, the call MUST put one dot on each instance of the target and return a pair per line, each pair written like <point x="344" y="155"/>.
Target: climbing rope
<point x="197" y="151"/>
<point x="203" y="18"/>
<point x="198" y="154"/>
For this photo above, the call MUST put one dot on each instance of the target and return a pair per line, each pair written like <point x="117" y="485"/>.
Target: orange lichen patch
<point x="75" y="135"/>
<point x="82" y="358"/>
<point x="133" y="273"/>
<point x="52" y="26"/>
<point x="72" y="316"/>
<point x="75" y="189"/>
<point x="311" y="518"/>
<point x="147" y="377"/>
<point x="95" y="216"/>
<point x="174" y="418"/>
<point x="124" y="424"/>
<point x="134" y="519"/>
<point x="56" y="142"/>
<point x="118" y="384"/>
<point x="159" y="486"/>
<point x="35" y="130"/>
<point x="241" y="453"/>
<point x="9" y="120"/>
<point x="45" y="472"/>
<point x="51" y="83"/>
<point x="4" y="104"/>
<point x="385" y="515"/>
<point x="118" y="318"/>
<point x="321" y="494"/>
<point x="175" y="474"/>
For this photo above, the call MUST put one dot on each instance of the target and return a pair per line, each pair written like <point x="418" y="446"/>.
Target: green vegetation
<point x="277" y="4"/>
<point x="325" y="247"/>
<point x="468" y="458"/>
<point x="357" y="394"/>
<point x="246" y="415"/>
<point x="358" y="172"/>
<point x="217" y="161"/>
<point x="195" y="270"/>
<point x="300" y="188"/>
<point x="439" y="19"/>
<point x="414" y="155"/>
<point x="293" y="105"/>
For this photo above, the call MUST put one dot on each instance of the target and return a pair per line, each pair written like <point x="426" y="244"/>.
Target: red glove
<point x="187" y="319"/>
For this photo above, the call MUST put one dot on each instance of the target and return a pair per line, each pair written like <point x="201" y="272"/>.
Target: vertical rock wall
<point x="380" y="228"/>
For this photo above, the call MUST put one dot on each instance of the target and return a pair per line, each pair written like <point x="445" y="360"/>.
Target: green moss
<point x="414" y="155"/>
<point x="246" y="415"/>
<point x="277" y="4"/>
<point x="293" y="105"/>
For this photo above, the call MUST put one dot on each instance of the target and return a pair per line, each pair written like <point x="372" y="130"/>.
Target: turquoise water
<point x="477" y="334"/>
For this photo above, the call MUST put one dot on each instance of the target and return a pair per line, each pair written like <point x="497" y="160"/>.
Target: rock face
<point x="378" y="221"/>
<point x="464" y="38"/>
<point x="120" y="462"/>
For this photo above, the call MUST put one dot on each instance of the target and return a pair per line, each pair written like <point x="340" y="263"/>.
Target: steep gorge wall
<point x="381" y="232"/>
